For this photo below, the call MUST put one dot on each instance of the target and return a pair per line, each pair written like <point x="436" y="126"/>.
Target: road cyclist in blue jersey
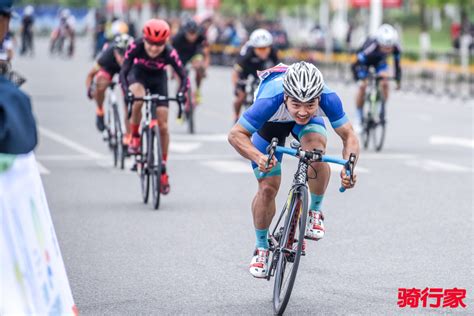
<point x="374" y="53"/>
<point x="290" y="100"/>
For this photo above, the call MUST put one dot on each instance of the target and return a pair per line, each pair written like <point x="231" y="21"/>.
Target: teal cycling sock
<point x="316" y="201"/>
<point x="262" y="238"/>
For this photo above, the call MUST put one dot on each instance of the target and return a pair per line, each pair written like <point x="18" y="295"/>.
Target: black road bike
<point x="373" y="122"/>
<point x="149" y="160"/>
<point x="286" y="238"/>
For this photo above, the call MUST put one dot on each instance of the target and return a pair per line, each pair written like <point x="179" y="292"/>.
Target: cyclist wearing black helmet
<point x="191" y="44"/>
<point x="99" y="77"/>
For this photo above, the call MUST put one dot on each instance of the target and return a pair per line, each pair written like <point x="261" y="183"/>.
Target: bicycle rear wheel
<point x="119" y="154"/>
<point x="365" y="134"/>
<point x="378" y="130"/>
<point x="156" y="166"/>
<point x="289" y="249"/>
<point x="143" y="164"/>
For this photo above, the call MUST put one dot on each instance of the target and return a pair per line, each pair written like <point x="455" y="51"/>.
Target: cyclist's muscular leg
<point x="361" y="93"/>
<point x="318" y="181"/>
<point x="384" y="86"/>
<point x="102" y="82"/>
<point x="198" y="66"/>
<point x="162" y="116"/>
<point x="263" y="204"/>
<point x="137" y="90"/>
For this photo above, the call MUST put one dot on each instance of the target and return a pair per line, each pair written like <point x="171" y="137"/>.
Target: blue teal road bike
<point x="286" y="238"/>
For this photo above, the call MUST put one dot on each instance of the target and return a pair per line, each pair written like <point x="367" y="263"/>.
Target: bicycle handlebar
<point x="156" y="97"/>
<point x="313" y="156"/>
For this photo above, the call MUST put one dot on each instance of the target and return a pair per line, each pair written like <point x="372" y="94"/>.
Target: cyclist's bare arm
<point x="349" y="140"/>
<point x="91" y="74"/>
<point x="239" y="138"/>
<point x="351" y="145"/>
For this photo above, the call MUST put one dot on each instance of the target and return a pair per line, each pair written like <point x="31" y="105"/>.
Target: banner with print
<point x="34" y="280"/>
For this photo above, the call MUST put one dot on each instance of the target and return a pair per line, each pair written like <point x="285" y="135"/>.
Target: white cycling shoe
<point x="259" y="263"/>
<point x="315" y="225"/>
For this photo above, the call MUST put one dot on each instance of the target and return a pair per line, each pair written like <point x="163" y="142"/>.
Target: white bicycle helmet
<point x="303" y="81"/>
<point x="29" y="10"/>
<point x="386" y="35"/>
<point x="261" y="38"/>
<point x="121" y="41"/>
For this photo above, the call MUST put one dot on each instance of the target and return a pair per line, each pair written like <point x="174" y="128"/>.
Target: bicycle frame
<point x="285" y="241"/>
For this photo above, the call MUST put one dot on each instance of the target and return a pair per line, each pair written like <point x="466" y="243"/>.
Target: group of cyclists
<point x="142" y="65"/>
<point x="288" y="100"/>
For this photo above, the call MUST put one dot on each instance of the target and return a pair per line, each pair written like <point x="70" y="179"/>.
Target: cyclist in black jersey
<point x="144" y="68"/>
<point x="256" y="55"/>
<point x="374" y="53"/>
<point x="100" y="76"/>
<point x="191" y="44"/>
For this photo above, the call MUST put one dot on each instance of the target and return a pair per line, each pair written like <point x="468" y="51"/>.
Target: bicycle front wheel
<point x="156" y="166"/>
<point x="143" y="164"/>
<point x="289" y="249"/>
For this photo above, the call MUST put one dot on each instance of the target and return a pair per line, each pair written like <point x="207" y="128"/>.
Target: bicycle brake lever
<point x="349" y="166"/>
<point x="271" y="153"/>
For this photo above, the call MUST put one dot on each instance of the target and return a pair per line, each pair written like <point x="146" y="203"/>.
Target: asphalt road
<point x="408" y="223"/>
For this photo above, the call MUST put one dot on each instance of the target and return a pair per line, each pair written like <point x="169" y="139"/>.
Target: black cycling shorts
<point x="154" y="81"/>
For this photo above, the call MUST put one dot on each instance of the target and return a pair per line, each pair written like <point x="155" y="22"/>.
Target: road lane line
<point x="42" y="169"/>
<point x="375" y="156"/>
<point x="174" y="157"/>
<point x="70" y="143"/>
<point x="183" y="147"/>
<point x="226" y="166"/>
<point x="64" y="157"/>
<point x="456" y="141"/>
<point x="435" y="165"/>
<point x="200" y="137"/>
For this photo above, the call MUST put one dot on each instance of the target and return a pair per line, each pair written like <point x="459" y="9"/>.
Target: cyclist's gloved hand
<point x="262" y="161"/>
<point x="89" y="92"/>
<point x="181" y="97"/>
<point x="128" y="97"/>
<point x="346" y="180"/>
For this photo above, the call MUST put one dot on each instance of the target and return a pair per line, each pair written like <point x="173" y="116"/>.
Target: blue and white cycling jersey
<point x="268" y="105"/>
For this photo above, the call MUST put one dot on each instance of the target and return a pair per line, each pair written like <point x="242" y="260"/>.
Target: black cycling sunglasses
<point x="155" y="43"/>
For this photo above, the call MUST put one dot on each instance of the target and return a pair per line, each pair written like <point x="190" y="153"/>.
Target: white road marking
<point x="456" y="141"/>
<point x="70" y="143"/>
<point x="42" y="169"/>
<point x="205" y="157"/>
<point x="435" y="165"/>
<point x="200" y="137"/>
<point x="381" y="156"/>
<point x="63" y="157"/>
<point x="226" y="166"/>
<point x="425" y="117"/>
<point x="183" y="147"/>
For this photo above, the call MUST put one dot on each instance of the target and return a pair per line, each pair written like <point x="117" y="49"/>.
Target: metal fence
<point x="442" y="77"/>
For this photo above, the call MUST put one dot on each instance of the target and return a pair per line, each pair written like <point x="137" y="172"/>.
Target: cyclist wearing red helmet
<point x="144" y="68"/>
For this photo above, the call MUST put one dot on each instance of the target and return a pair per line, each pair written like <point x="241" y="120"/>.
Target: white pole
<point x="376" y="15"/>
<point x="200" y="7"/>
